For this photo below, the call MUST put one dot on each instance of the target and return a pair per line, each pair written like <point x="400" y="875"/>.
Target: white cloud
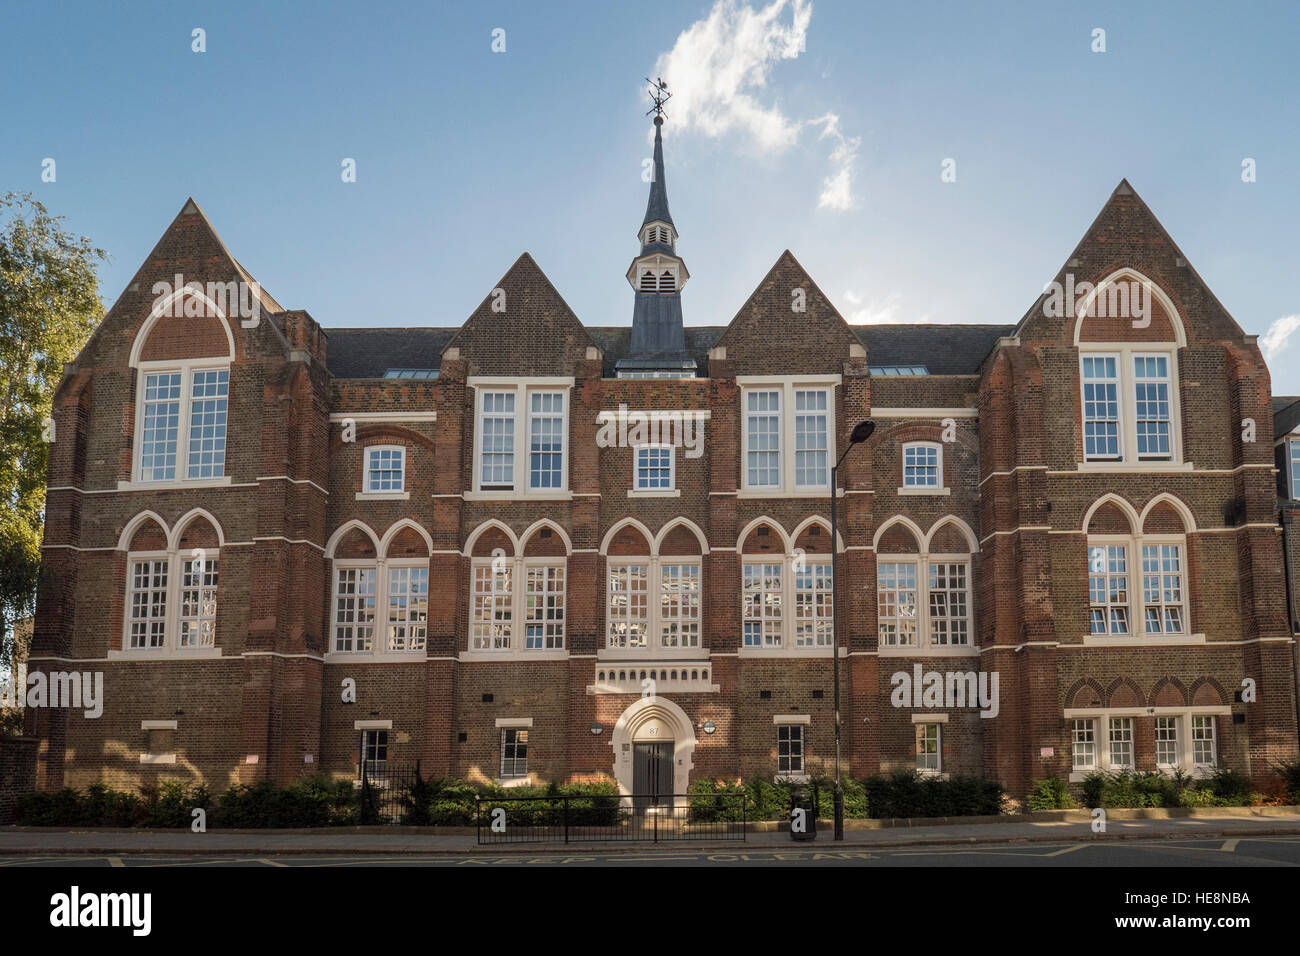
<point x="1275" y="340"/>
<point x="880" y="310"/>
<point x="718" y="68"/>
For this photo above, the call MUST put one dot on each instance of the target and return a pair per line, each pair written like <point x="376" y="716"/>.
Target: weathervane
<point x="659" y="93"/>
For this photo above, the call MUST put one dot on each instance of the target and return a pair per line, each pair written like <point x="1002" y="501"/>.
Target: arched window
<point x="518" y="596"/>
<point x="786" y="588"/>
<point x="654" y="590"/>
<point x="172" y="587"/>
<point x="924" y="586"/>
<point x="1137" y="572"/>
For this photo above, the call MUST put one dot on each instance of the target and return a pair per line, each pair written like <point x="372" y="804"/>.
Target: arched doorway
<point x="653" y="744"/>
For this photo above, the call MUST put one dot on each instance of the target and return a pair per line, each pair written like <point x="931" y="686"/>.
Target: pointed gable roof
<point x="533" y="333"/>
<point x="768" y="335"/>
<point x="1127" y="234"/>
<point x="191" y="248"/>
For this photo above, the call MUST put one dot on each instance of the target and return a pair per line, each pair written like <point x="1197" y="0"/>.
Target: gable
<point x="787" y="327"/>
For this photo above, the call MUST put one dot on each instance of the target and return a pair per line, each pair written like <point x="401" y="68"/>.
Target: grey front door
<point x="652" y="773"/>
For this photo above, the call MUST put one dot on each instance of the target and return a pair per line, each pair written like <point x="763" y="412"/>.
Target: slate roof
<point x="656" y="209"/>
<point x="943" y="349"/>
<point x="1286" y="413"/>
<point x="368" y="353"/>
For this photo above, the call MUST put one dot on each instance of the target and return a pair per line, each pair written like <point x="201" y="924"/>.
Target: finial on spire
<point x="660" y="95"/>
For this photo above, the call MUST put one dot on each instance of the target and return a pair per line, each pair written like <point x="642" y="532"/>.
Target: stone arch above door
<point x="635" y="723"/>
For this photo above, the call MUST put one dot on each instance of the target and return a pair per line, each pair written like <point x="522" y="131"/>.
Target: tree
<point x="49" y="305"/>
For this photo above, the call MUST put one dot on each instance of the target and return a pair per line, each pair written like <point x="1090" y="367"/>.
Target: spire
<point x="657" y="274"/>
<point x="656" y="210"/>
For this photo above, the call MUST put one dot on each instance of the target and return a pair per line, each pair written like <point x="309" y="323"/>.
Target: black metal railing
<point x="385" y="791"/>
<point x="599" y="818"/>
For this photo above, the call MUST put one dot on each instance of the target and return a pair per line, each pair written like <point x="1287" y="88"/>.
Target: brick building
<point x="530" y="549"/>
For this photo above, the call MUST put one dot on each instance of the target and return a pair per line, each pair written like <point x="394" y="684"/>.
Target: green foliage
<point x="916" y="795"/>
<point x="1289" y="771"/>
<point x="1050" y="793"/>
<point x="49" y="305"/>
<point x="1223" y="788"/>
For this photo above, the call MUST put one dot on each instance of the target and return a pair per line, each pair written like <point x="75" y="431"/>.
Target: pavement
<point x="397" y="840"/>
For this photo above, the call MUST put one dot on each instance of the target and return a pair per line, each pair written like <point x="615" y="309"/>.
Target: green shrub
<point x="1050" y="793"/>
<point x="1289" y="771"/>
<point x="915" y="795"/>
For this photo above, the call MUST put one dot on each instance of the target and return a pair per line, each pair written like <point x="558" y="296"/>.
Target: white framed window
<point x="1153" y="593"/>
<point x="1162" y="589"/>
<point x="1083" y="744"/>
<point x="788" y="434"/>
<point x="492" y="605"/>
<point x="896" y="603"/>
<point x="1101" y="422"/>
<point x="811" y="437"/>
<point x="408" y="607"/>
<point x="355" y="602"/>
<point x="514" y="752"/>
<point x="385" y="469"/>
<point x="1293" y="456"/>
<point x="1204" y="745"/>
<point x="763" y="439"/>
<point x="171" y="602"/>
<point x="627" y="605"/>
<point x="374" y="754"/>
<point x="1108" y="589"/>
<point x="762" y="595"/>
<point x="1167" y="745"/>
<point x="929" y="748"/>
<point x="813" y="595"/>
<point x="523" y="415"/>
<point x="653" y="605"/>
<point x="924" y="602"/>
<point x="789" y="750"/>
<point x="147" y="623"/>
<point x="544" y="606"/>
<point x="1120" y="735"/>
<point x="1130" y="406"/>
<point x="198" y="612"/>
<point x="380" y="606"/>
<point x="922" y="466"/>
<point x="181" y="422"/>
<point x="948" y="593"/>
<point x="656" y="468"/>
<point x="679" y="605"/>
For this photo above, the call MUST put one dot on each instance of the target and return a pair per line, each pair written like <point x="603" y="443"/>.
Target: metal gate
<point x="655" y="817"/>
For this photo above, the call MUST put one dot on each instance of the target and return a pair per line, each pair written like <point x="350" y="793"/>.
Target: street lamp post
<point x="861" y="432"/>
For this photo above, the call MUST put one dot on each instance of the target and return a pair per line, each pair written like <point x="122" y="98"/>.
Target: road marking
<point x="1068" y="849"/>
<point x="115" y="861"/>
<point x="1230" y="846"/>
<point x="271" y="862"/>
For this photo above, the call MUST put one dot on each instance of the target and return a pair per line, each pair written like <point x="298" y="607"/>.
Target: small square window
<point x="385" y="468"/>
<point x="655" y="468"/>
<point x="922" y="465"/>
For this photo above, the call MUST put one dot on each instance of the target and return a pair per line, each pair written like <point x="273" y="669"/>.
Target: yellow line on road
<point x="272" y="863"/>
<point x="1230" y="846"/>
<point x="1068" y="849"/>
<point x="115" y="861"/>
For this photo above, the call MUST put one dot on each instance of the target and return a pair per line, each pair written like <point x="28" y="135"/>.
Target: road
<point x="1257" y="851"/>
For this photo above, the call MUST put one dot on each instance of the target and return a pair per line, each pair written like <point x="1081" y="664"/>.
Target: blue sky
<point x="818" y="126"/>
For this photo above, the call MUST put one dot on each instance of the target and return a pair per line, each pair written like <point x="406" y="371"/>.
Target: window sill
<point x="790" y="778"/>
<point x="383" y="496"/>
<point x="548" y="495"/>
<point x="933" y="774"/>
<point x="925" y="491"/>
<point x="221" y="482"/>
<point x="817" y="652"/>
<point x="1135" y="467"/>
<point x="375" y="657"/>
<point x="658" y="656"/>
<point x="164" y="654"/>
<point x="512" y="656"/>
<point x="509" y="782"/>
<point x="942" y="650"/>
<point x="754" y="493"/>
<point x="157" y="758"/>
<point x="1163" y="640"/>
<point x="656" y="493"/>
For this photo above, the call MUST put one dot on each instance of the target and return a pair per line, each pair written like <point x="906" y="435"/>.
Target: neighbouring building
<point x="528" y="549"/>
